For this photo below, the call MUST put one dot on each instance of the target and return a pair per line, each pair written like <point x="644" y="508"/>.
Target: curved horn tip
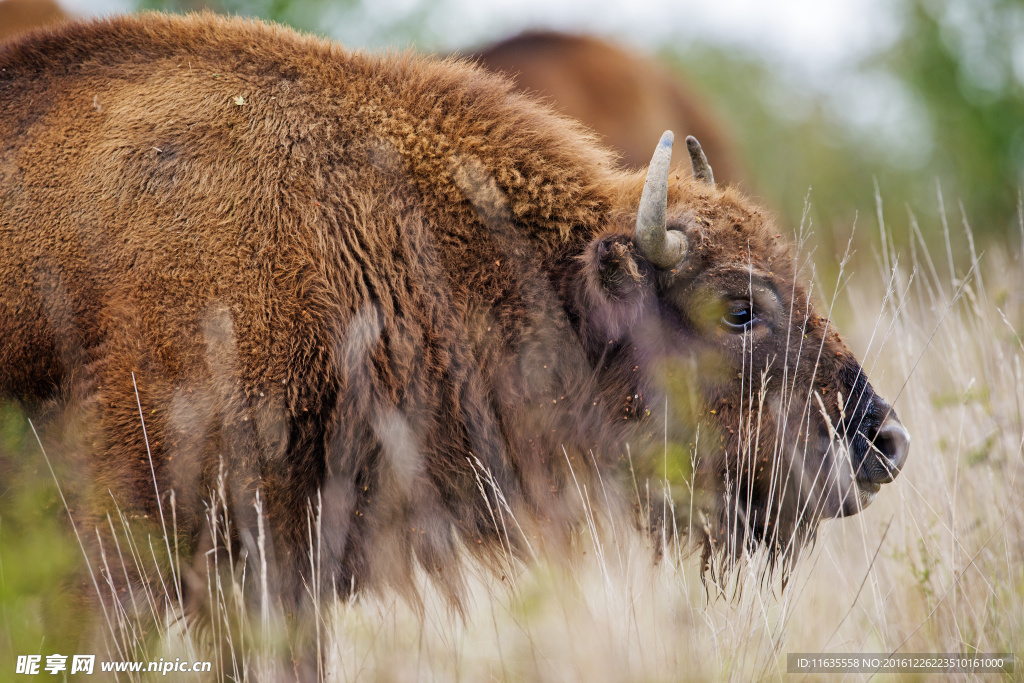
<point x="701" y="168"/>
<point x="667" y="138"/>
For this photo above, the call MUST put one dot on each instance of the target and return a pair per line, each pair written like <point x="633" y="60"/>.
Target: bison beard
<point x="377" y="313"/>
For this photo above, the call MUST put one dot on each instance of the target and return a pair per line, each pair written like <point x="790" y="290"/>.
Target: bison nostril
<point x="888" y="452"/>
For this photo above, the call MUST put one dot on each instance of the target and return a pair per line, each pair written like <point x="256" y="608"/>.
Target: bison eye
<point x="739" y="318"/>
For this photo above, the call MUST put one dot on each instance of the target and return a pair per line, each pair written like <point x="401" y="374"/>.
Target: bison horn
<point x="662" y="247"/>
<point x="701" y="167"/>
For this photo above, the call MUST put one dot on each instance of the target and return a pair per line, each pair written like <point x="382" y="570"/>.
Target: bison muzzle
<point x="389" y="306"/>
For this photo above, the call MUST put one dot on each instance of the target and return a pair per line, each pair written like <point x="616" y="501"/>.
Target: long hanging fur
<point x="392" y="300"/>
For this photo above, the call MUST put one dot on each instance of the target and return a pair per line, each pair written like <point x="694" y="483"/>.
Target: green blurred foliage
<point x="40" y="561"/>
<point x="353" y="21"/>
<point x="306" y="15"/>
<point x="964" y="60"/>
<point x="962" y="64"/>
<point x="806" y="166"/>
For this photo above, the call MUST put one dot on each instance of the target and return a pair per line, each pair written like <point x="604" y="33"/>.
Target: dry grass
<point x="936" y="564"/>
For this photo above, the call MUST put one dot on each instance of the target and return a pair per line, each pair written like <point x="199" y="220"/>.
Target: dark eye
<point x="739" y="317"/>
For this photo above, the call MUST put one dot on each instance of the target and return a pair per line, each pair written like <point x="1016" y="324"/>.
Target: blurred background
<point x="894" y="125"/>
<point x="837" y="104"/>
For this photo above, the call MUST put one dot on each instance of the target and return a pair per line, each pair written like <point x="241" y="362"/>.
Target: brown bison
<point x="390" y="307"/>
<point x="18" y="16"/>
<point x="627" y="99"/>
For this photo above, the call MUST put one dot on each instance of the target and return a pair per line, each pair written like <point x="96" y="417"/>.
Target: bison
<point x="18" y="16"/>
<point x="387" y="312"/>
<point x="627" y="99"/>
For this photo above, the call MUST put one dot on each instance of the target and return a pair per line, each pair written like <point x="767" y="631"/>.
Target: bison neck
<point x="471" y="385"/>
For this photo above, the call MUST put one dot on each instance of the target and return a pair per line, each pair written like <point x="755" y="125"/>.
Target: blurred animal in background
<point x="18" y="16"/>
<point x="628" y="99"/>
<point x="349" y="315"/>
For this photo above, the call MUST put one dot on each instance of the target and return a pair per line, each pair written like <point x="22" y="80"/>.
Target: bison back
<point x="304" y="271"/>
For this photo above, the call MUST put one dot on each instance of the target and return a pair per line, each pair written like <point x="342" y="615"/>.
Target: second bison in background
<point x="19" y="16"/>
<point x="626" y="98"/>
<point x="384" y="310"/>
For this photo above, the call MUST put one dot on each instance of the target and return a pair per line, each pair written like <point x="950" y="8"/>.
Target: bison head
<point x="705" y="289"/>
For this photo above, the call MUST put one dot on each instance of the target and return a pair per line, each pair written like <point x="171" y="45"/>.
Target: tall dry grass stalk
<point x="936" y="564"/>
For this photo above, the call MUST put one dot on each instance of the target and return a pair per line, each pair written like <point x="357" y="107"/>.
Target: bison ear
<point x="616" y="283"/>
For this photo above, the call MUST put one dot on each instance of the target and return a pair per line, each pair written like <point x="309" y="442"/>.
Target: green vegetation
<point x="960" y="65"/>
<point x="39" y="557"/>
<point x="933" y="566"/>
<point x="964" y="61"/>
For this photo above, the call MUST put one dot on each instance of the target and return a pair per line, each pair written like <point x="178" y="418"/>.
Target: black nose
<point x="886" y="452"/>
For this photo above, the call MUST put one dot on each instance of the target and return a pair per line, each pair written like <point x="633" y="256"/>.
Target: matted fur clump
<point x="388" y="306"/>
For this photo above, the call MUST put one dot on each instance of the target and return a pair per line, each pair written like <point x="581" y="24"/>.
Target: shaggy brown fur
<point x="627" y="99"/>
<point x="387" y="294"/>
